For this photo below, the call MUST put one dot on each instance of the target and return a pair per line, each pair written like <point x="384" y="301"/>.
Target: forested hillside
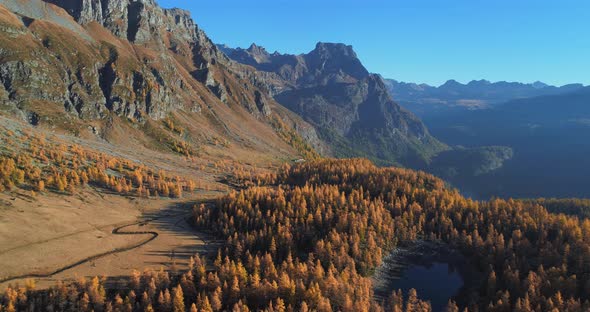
<point x="309" y="237"/>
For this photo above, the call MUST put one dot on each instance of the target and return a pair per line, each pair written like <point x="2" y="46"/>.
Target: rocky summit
<point x="350" y="108"/>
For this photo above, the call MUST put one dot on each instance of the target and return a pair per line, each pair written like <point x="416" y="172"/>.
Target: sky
<point x="423" y="41"/>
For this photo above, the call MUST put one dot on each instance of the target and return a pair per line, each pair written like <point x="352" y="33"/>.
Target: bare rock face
<point x="73" y="62"/>
<point x="333" y="63"/>
<point x="117" y="16"/>
<point x="41" y="10"/>
<point x="137" y="21"/>
<point x="83" y="11"/>
<point x="144" y="63"/>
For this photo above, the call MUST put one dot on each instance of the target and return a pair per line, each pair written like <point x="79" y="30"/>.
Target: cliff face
<point x="137" y="21"/>
<point x="350" y="108"/>
<point x="90" y="60"/>
<point x="144" y="65"/>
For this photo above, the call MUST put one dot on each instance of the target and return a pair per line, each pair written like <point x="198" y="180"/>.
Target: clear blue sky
<point x="427" y="41"/>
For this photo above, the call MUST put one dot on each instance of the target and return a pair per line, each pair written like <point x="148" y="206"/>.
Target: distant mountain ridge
<point x="350" y="108"/>
<point x="425" y="100"/>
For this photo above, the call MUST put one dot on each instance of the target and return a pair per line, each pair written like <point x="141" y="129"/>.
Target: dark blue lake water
<point x="437" y="282"/>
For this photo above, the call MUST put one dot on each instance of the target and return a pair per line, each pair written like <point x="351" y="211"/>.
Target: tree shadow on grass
<point x="176" y="222"/>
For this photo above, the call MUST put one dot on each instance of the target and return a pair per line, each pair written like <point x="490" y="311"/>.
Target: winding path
<point x="116" y="231"/>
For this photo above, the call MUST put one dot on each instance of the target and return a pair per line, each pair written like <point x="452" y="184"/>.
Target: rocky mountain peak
<point x="145" y="22"/>
<point x="258" y="53"/>
<point x="88" y="64"/>
<point x="539" y="85"/>
<point x="330" y="58"/>
<point x="451" y="83"/>
<point x="256" y="49"/>
<point x="481" y="82"/>
<point x="328" y="49"/>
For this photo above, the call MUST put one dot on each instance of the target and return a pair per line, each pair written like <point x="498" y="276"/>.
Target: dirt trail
<point x="5" y="251"/>
<point x="158" y="237"/>
<point x="116" y="231"/>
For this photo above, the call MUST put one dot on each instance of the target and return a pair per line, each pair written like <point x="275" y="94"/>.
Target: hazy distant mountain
<point x="548" y="134"/>
<point x="424" y="100"/>
<point x="351" y="109"/>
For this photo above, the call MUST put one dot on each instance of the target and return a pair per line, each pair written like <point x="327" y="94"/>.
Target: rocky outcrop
<point x="76" y="65"/>
<point x="123" y="18"/>
<point x="83" y="11"/>
<point x="93" y="72"/>
<point x="41" y="10"/>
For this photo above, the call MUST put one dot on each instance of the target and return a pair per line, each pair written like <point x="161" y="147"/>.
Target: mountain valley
<point x="144" y="167"/>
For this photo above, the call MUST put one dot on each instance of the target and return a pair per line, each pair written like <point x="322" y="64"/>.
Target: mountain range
<point x="82" y="66"/>
<point x="350" y="108"/>
<point x="129" y="140"/>
<point x="134" y="74"/>
<point x="425" y="100"/>
<point x="78" y="65"/>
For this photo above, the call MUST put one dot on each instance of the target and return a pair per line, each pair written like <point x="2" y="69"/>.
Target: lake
<point x="429" y="268"/>
<point x="437" y="282"/>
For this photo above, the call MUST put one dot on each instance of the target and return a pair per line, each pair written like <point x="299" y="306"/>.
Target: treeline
<point x="569" y="206"/>
<point x="227" y="286"/>
<point x="348" y="214"/>
<point x="310" y="238"/>
<point x="33" y="163"/>
<point x="292" y="138"/>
